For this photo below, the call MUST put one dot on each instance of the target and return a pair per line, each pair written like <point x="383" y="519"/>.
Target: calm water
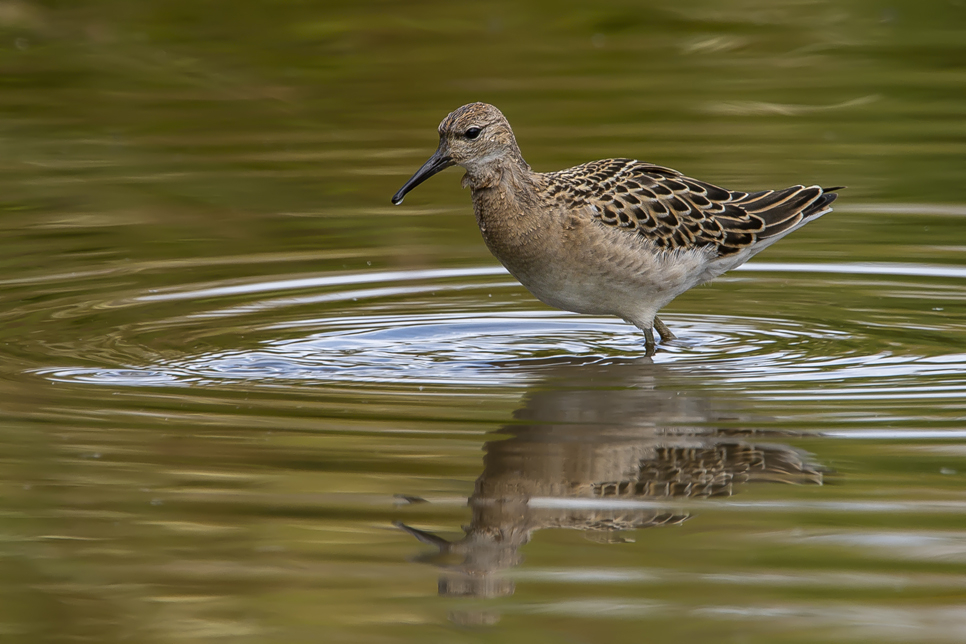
<point x="245" y="399"/>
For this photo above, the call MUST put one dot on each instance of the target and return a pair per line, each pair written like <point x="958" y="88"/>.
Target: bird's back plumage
<point x="675" y="212"/>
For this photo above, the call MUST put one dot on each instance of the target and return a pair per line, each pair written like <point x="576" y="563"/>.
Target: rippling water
<point x="245" y="399"/>
<point x="472" y="342"/>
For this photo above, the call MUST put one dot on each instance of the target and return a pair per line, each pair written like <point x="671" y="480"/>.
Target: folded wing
<point x="673" y="211"/>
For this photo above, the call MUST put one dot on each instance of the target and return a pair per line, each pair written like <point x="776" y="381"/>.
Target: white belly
<point x="631" y="282"/>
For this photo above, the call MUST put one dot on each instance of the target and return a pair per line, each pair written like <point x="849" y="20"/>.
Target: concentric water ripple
<point x="461" y="348"/>
<point x="465" y="341"/>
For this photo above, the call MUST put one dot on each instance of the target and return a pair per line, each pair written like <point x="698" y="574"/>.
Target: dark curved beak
<point x="425" y="537"/>
<point x="437" y="163"/>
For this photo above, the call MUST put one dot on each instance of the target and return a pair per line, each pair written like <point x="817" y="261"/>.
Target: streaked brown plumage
<point x="676" y="212"/>
<point x="615" y="236"/>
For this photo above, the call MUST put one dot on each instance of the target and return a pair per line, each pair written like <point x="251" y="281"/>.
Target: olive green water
<point x="246" y="399"/>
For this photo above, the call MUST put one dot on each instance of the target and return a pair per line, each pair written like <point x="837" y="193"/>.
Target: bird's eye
<point x="473" y="132"/>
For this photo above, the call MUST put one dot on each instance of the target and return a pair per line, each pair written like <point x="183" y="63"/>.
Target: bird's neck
<point x="505" y="179"/>
<point x="502" y="200"/>
<point x="505" y="168"/>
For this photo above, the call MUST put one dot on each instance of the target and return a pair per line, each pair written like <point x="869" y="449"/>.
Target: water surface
<point x="246" y="399"/>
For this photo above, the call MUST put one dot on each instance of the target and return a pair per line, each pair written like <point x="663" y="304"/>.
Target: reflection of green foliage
<point x="240" y="104"/>
<point x="145" y="144"/>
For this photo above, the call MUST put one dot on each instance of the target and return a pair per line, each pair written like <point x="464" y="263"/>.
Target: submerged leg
<point x="663" y="330"/>
<point x="648" y="342"/>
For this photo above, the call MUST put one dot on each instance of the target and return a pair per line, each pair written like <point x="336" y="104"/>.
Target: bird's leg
<point x="663" y="330"/>
<point x="648" y="342"/>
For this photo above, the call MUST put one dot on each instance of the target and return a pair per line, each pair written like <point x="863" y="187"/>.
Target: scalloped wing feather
<point x="675" y="212"/>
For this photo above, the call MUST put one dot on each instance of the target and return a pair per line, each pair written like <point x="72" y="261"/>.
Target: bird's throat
<point x="482" y="178"/>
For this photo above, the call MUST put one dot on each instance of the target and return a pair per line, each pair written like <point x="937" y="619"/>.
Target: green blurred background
<point x="176" y="144"/>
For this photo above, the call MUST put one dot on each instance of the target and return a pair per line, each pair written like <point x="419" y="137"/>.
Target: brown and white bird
<point x="616" y="236"/>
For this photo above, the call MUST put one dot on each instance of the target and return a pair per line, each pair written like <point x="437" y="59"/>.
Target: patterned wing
<point x="676" y="212"/>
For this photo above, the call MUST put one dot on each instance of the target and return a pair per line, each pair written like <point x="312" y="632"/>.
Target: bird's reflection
<point x="600" y="433"/>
